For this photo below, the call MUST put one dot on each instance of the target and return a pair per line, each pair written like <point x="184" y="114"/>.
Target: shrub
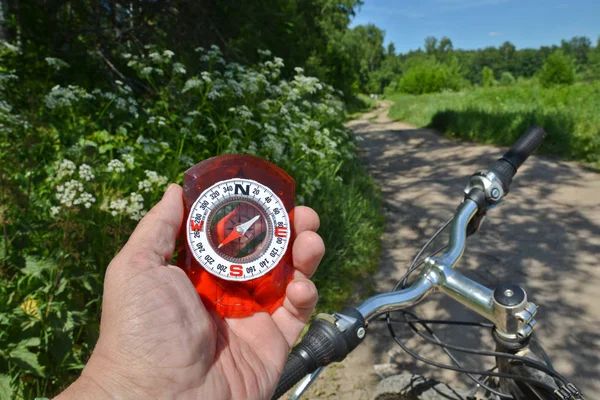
<point x="487" y="77"/>
<point x="81" y="167"/>
<point x="430" y="77"/>
<point x="507" y="79"/>
<point x="559" y="69"/>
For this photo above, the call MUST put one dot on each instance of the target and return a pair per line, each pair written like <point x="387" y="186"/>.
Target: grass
<point x="570" y="115"/>
<point x="358" y="105"/>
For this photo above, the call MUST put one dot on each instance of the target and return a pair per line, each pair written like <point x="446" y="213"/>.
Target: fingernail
<point x="168" y="190"/>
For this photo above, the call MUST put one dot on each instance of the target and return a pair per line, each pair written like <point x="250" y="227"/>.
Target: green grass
<point x="361" y="103"/>
<point x="570" y="115"/>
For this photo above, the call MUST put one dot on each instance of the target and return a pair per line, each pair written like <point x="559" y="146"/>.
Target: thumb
<point x="153" y="241"/>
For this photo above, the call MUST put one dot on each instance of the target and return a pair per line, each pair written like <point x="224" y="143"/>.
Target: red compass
<point x="238" y="233"/>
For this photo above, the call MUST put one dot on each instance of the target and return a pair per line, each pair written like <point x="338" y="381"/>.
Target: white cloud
<point x="496" y="33"/>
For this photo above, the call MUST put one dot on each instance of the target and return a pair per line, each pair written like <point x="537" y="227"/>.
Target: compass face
<point x="238" y="229"/>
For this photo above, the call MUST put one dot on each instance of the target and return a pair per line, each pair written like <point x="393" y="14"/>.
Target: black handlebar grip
<point x="323" y="344"/>
<point x="295" y="369"/>
<point x="506" y="167"/>
<point x="525" y="146"/>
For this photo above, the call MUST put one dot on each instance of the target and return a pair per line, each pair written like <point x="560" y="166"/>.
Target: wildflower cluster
<point x="132" y="207"/>
<point x="152" y="181"/>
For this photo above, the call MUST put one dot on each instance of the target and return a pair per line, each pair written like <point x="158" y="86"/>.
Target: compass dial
<point x="238" y="229"/>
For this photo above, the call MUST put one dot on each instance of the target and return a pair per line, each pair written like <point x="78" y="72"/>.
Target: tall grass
<point x="570" y="115"/>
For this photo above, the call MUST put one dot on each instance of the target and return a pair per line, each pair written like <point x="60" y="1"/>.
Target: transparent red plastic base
<point x="230" y="298"/>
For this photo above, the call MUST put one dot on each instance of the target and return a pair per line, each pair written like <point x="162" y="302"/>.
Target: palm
<point x="153" y="320"/>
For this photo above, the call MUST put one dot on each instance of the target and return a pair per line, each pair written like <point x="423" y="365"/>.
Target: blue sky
<point x="472" y="24"/>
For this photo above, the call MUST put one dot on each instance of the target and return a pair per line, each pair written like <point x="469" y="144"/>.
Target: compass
<point x="238" y="229"/>
<point x="238" y="236"/>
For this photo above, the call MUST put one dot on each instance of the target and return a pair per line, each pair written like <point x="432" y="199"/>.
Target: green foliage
<point x="359" y="104"/>
<point x="559" y="69"/>
<point x="487" y="77"/>
<point x="522" y="63"/>
<point x="507" y="79"/>
<point x="82" y="165"/>
<point x="90" y="34"/>
<point x="569" y="114"/>
<point x="431" y="77"/>
<point x="365" y="44"/>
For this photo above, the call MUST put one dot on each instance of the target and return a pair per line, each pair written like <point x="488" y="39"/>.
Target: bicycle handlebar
<point x="332" y="336"/>
<point x="506" y="167"/>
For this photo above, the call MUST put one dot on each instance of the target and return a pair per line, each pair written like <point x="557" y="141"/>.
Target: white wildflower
<point x="179" y="68"/>
<point x="299" y="70"/>
<point x="206" y="76"/>
<point x="155" y="57"/>
<point x="129" y="160"/>
<point x="152" y="180"/>
<point x="115" y="166"/>
<point x="54" y="211"/>
<point x="135" y="208"/>
<point x="56" y="63"/>
<point x="192" y="84"/>
<point x="214" y="94"/>
<point x="146" y="71"/>
<point x="86" y="199"/>
<point x="68" y="193"/>
<point x="168" y="53"/>
<point x="117" y="207"/>
<point x="85" y="172"/>
<point x="65" y="168"/>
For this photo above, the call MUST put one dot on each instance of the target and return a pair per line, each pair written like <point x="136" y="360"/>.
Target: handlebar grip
<point x="506" y="167"/>
<point x="525" y="146"/>
<point x="295" y="369"/>
<point x="329" y="339"/>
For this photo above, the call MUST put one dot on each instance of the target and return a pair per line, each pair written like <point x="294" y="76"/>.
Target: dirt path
<point x="546" y="237"/>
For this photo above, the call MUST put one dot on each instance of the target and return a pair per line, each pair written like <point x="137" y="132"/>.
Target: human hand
<point x="157" y="340"/>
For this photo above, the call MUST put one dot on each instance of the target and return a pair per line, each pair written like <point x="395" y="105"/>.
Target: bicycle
<point x="523" y="369"/>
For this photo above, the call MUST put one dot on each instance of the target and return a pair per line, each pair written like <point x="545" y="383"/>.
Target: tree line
<point x="454" y="68"/>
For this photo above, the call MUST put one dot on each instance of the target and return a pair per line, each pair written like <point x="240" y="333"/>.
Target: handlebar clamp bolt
<point x="495" y="193"/>
<point x="360" y="332"/>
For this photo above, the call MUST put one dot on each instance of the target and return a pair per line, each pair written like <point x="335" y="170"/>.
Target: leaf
<point x="29" y="342"/>
<point x="25" y="359"/>
<point x="6" y="391"/>
<point x="34" y="266"/>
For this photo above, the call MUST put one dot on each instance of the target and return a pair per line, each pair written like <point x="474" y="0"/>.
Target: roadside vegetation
<point x="492" y="95"/>
<point x="94" y="125"/>
<point x="569" y="114"/>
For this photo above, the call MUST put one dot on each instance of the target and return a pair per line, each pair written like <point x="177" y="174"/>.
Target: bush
<point x="559" y="69"/>
<point x="569" y="114"/>
<point x="431" y="77"/>
<point x="507" y="79"/>
<point x="487" y="77"/>
<point x="80" y="168"/>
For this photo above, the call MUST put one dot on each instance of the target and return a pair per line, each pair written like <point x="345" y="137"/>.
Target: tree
<point x="487" y="77"/>
<point x="507" y="79"/>
<point x="391" y="49"/>
<point x="559" y="69"/>
<point x="430" y="45"/>
<point x="364" y="43"/>
<point x="578" y="48"/>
